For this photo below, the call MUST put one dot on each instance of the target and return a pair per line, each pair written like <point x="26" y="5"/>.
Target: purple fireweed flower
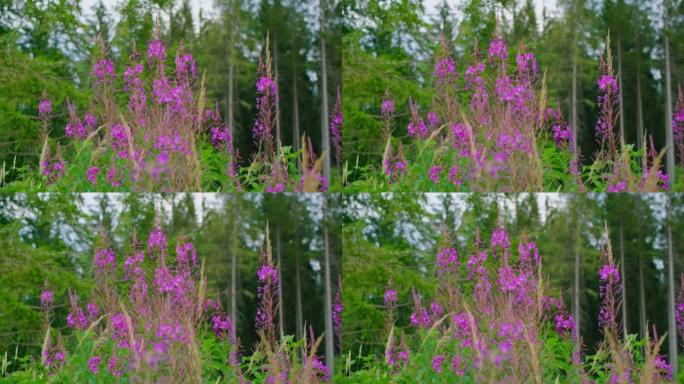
<point x="461" y="137"/>
<point x="76" y="319"/>
<point x="75" y="127"/>
<point x="498" y="50"/>
<point x="390" y="297"/>
<point x="44" y="108"/>
<point x="457" y="366"/>
<point x="131" y="77"/>
<point x="222" y="326"/>
<point x="221" y="138"/>
<point x="338" y="308"/>
<point x="336" y="127"/>
<point x="445" y="70"/>
<point x="610" y="286"/>
<point x="447" y="260"/>
<point x="119" y="137"/>
<point x="321" y="369"/>
<point x="90" y="120"/>
<point x="620" y="186"/>
<point x="437" y="363"/>
<point x="436" y="310"/>
<point x="185" y="64"/>
<point x="132" y="263"/>
<point x="157" y="240"/>
<point x="94" y="364"/>
<point x="266" y="84"/>
<point x="93" y="311"/>
<point x="103" y="70"/>
<point x="112" y="365"/>
<point x="607" y="82"/>
<point x="528" y="253"/>
<point x="434" y="173"/>
<point x="276" y="188"/>
<point x="527" y="64"/>
<point x="416" y="127"/>
<point x="609" y="273"/>
<point x="453" y="176"/>
<point x="46" y="299"/>
<point x="156" y="50"/>
<point x="419" y="316"/>
<point x="104" y="261"/>
<point x="267" y="292"/>
<point x="267" y="104"/>
<point x="607" y="100"/>
<point x="186" y="254"/>
<point x="60" y="356"/>
<point x="679" y="310"/>
<point x="112" y="178"/>
<point x="92" y="175"/>
<point x="162" y="91"/>
<point x="473" y="75"/>
<point x="400" y="166"/>
<point x="678" y="121"/>
<point x="120" y="329"/>
<point x="433" y="119"/>
<point x="565" y="324"/>
<point x="267" y="273"/>
<point x="665" y="369"/>
<point x="387" y="107"/>
<point x="463" y="328"/>
<point x="500" y="239"/>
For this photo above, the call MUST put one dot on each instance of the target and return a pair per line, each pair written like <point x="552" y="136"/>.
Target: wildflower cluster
<point x="491" y="129"/>
<point x="490" y="320"/>
<point x="155" y="141"/>
<point x="153" y="333"/>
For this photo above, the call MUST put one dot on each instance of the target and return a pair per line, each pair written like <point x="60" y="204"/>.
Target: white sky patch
<point x="208" y="8"/>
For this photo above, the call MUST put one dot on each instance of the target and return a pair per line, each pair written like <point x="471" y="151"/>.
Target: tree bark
<point x="233" y="267"/>
<point x="295" y="111"/>
<point x="281" y="316"/>
<point x="231" y="70"/>
<point x="672" y="326"/>
<point x="573" y="115"/>
<point x="325" y="133"/>
<point x="275" y="65"/>
<point x="299" y="315"/>
<point x="668" y="102"/>
<point x="640" y="116"/>
<point x="576" y="311"/>
<point x="624" y="277"/>
<point x="642" y="301"/>
<point x="621" y="99"/>
<point x="329" y="334"/>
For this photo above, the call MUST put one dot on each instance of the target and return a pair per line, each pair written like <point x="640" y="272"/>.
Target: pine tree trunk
<point x="233" y="267"/>
<point x="640" y="116"/>
<point x="576" y="311"/>
<point x="295" y="112"/>
<point x="299" y="315"/>
<point x="621" y="99"/>
<point x="281" y="316"/>
<point x="672" y="327"/>
<point x="275" y="65"/>
<point x="642" y="301"/>
<point x="573" y="115"/>
<point x="231" y="74"/>
<point x="325" y="133"/>
<point x="668" y="102"/>
<point x="624" y="277"/>
<point x="329" y="334"/>
<point x="640" y="113"/>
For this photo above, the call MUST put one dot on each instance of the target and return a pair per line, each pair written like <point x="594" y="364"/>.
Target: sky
<point x="208" y="5"/>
